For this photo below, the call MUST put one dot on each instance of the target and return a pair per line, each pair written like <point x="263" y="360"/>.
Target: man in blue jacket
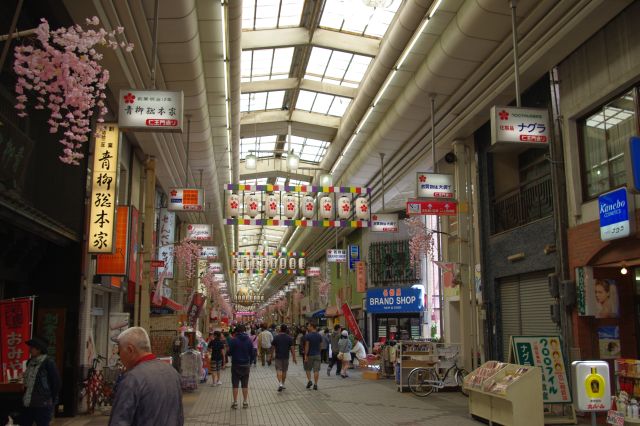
<point x="241" y="352"/>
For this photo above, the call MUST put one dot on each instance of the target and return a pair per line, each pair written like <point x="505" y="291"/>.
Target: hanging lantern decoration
<point x="292" y="263"/>
<point x="301" y="263"/>
<point x="362" y="208"/>
<point x="272" y="206"/>
<point x="253" y="205"/>
<point x="326" y="208"/>
<point x="344" y="207"/>
<point x="273" y="263"/>
<point x="308" y="207"/>
<point x="290" y="206"/>
<point x="233" y="205"/>
<point x="282" y="263"/>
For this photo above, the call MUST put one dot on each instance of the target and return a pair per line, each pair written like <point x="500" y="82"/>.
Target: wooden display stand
<point x="509" y="394"/>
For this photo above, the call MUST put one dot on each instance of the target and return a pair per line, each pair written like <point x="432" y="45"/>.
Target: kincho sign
<point x="394" y="300"/>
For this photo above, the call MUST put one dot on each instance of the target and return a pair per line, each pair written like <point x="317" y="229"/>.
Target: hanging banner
<point x="432" y="208"/>
<point x="209" y="252"/>
<point x="352" y="324"/>
<point x="281" y="263"/>
<point x="103" y="188"/>
<point x="51" y="323"/>
<point x="166" y="238"/>
<point x="15" y="327"/>
<point x="337" y="256"/>
<point x="116" y="262"/>
<point x="313" y="271"/>
<point x="434" y="185"/>
<point x="384" y="222"/>
<point x="586" y="291"/>
<point x="194" y="308"/>
<point x="520" y="126"/>
<point x="199" y="232"/>
<point x="186" y="199"/>
<point x="361" y="277"/>
<point x="155" y="110"/>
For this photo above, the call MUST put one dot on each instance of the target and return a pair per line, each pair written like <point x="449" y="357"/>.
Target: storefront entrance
<point x="396" y="327"/>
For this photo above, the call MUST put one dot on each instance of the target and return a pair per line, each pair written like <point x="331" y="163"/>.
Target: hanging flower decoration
<point x="421" y="242"/>
<point x="187" y="252"/>
<point x="61" y="70"/>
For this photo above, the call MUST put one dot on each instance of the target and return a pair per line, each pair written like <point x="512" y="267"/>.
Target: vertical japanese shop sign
<point x="351" y="321"/>
<point x="544" y="352"/>
<point x="166" y="236"/>
<point x="103" y="188"/>
<point x="132" y="272"/>
<point x="361" y="277"/>
<point x="116" y="263"/>
<point x="51" y="322"/>
<point x="15" y="330"/>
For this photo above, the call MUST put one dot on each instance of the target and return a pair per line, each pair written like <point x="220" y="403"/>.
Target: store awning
<point x="316" y="314"/>
<point x="167" y="303"/>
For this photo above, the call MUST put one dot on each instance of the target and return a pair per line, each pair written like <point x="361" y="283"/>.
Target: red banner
<point x="352" y="324"/>
<point x="15" y="320"/>
<point x="116" y="263"/>
<point x="432" y="208"/>
<point x="132" y="273"/>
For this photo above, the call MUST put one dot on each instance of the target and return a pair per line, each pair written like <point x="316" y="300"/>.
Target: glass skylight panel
<point x="335" y="67"/>
<point x="322" y="103"/>
<point x="264" y="144"/>
<point x="354" y="17"/>
<point x="269" y="14"/>
<point x="261" y="101"/>
<point x="339" y="106"/>
<point x="305" y="100"/>
<point x="266" y="64"/>
<point x="310" y="150"/>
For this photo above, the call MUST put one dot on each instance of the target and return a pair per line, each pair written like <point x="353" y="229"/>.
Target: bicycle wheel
<point x="422" y="381"/>
<point x="460" y="375"/>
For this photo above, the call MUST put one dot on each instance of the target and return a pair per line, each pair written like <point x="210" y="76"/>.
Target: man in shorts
<point x="312" y="342"/>
<point x="241" y="351"/>
<point x="217" y="349"/>
<point x="281" y="346"/>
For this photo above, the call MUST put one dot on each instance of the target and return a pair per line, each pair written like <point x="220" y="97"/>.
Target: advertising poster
<point x="15" y="329"/>
<point x="609" y="342"/>
<point x="606" y="297"/>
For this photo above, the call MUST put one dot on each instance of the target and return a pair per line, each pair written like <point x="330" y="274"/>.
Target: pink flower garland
<point x="187" y="252"/>
<point x="421" y="242"/>
<point x="62" y="73"/>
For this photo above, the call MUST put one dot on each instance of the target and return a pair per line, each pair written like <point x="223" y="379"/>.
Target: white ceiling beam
<point x="283" y="37"/>
<point x="292" y="83"/>
<point x="332" y="89"/>
<point x="257" y="117"/>
<point x="250" y="130"/>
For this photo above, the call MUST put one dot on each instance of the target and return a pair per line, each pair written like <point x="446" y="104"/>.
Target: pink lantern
<point x="233" y="205"/>
<point x="308" y="206"/>
<point x="290" y="206"/>
<point x="344" y="207"/>
<point x="326" y="208"/>
<point x="272" y="206"/>
<point x="362" y="208"/>
<point x="253" y="205"/>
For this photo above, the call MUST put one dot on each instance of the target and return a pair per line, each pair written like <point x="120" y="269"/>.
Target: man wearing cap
<point x="150" y="392"/>
<point x="42" y="385"/>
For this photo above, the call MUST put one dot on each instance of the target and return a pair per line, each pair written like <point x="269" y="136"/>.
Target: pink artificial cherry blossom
<point x="188" y="253"/>
<point x="61" y="71"/>
<point x="421" y="242"/>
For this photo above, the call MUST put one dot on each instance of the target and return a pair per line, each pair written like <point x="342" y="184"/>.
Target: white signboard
<point x="301" y="280"/>
<point x="215" y="267"/>
<point x="434" y="185"/>
<point x="337" y="256"/>
<point x="103" y="188"/>
<point x="166" y="239"/>
<point x="384" y="222"/>
<point x="210" y="252"/>
<point x="313" y="271"/>
<point x="186" y="199"/>
<point x="617" y="218"/>
<point x="522" y="126"/>
<point x="199" y="232"/>
<point x="591" y="385"/>
<point x="155" y="110"/>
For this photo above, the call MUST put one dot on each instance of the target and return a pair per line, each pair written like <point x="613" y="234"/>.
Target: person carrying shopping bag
<point x="344" y="352"/>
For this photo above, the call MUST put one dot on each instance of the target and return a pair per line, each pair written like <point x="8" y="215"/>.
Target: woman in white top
<point x="344" y="355"/>
<point x="359" y="352"/>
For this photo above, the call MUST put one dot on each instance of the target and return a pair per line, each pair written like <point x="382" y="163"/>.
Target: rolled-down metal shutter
<point x="525" y="302"/>
<point x="510" y="312"/>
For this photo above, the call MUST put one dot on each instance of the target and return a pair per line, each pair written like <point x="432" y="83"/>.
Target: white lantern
<point x="344" y="207"/>
<point x="273" y="263"/>
<point x="282" y="263"/>
<point x="290" y="206"/>
<point x="301" y="263"/>
<point x="233" y="205"/>
<point x="308" y="207"/>
<point x="272" y="206"/>
<point x="326" y="208"/>
<point x="362" y="208"/>
<point x="253" y="205"/>
<point x="292" y="263"/>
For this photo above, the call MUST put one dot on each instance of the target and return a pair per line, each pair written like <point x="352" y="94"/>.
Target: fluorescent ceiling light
<point x="326" y="179"/>
<point x="292" y="161"/>
<point x="251" y="162"/>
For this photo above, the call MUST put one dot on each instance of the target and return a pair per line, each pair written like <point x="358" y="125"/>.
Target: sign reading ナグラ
<point x="103" y="188"/>
<point x="434" y="185"/>
<point x="384" y="222"/>
<point x="617" y="218"/>
<point x="522" y="126"/>
<point x="394" y="300"/>
<point x="186" y="199"/>
<point x="544" y="352"/>
<point x="155" y="110"/>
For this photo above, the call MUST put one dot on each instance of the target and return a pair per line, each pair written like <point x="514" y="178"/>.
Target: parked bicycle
<point x="425" y="380"/>
<point x="94" y="388"/>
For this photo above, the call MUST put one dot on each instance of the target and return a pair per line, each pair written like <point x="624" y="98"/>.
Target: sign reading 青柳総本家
<point x="394" y="300"/>
<point x="522" y="126"/>
<point x="155" y="110"/>
<point x="434" y="185"/>
<point x="616" y="211"/>
<point x="190" y="199"/>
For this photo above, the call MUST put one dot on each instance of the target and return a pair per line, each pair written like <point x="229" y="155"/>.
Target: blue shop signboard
<point x="394" y="300"/>
<point x="616" y="214"/>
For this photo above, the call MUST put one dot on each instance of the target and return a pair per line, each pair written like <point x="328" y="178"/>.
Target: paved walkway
<point x="351" y="401"/>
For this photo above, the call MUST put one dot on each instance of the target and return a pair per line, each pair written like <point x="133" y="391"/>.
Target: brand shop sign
<point x="521" y="126"/>
<point x="155" y="110"/>
<point x="434" y="185"/>
<point x="384" y="223"/>
<point x="616" y="214"/>
<point x="199" y="232"/>
<point x="337" y="256"/>
<point x="186" y="199"/>
<point x="394" y="300"/>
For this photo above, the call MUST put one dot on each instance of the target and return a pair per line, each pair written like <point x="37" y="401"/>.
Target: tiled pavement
<point x="351" y="401"/>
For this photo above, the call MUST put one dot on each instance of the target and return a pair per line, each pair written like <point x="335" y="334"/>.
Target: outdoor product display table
<point x="414" y="353"/>
<point x="508" y="394"/>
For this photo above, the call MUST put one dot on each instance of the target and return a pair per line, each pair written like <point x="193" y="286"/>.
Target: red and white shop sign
<point x="155" y="110"/>
<point x="15" y="327"/>
<point x="432" y="207"/>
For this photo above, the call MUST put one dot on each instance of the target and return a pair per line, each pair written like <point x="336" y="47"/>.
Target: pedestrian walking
<point x="312" y="342"/>
<point x="42" y="385"/>
<point x="149" y="393"/>
<point x="254" y="342"/>
<point x="344" y="352"/>
<point x="334" y="339"/>
<point x="324" y="347"/>
<point x="241" y="351"/>
<point x="264" y="339"/>
<point x="359" y="352"/>
<point x="280" y="349"/>
<point x="217" y="347"/>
